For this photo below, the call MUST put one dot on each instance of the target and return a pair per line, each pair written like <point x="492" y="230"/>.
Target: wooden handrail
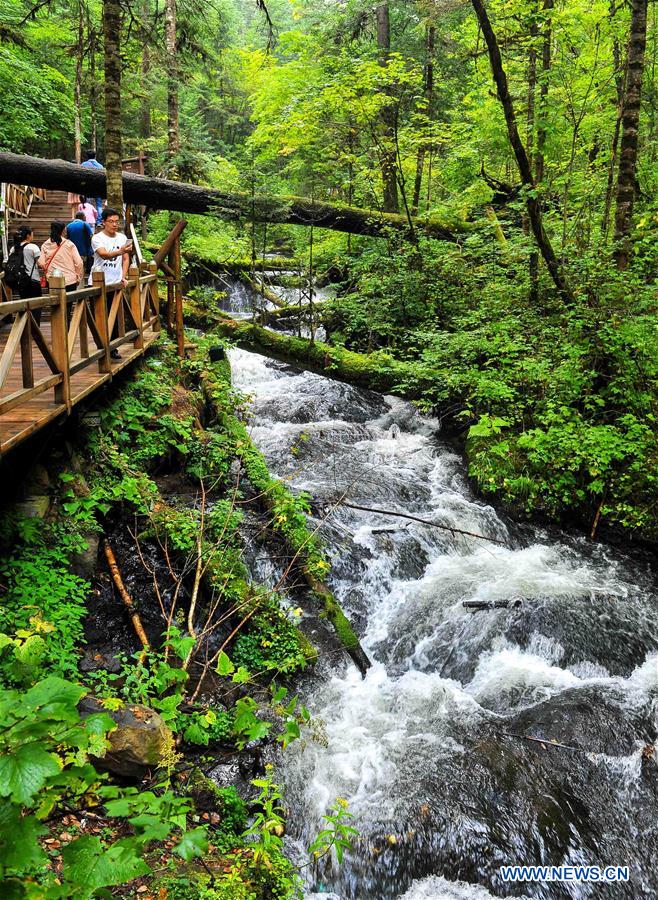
<point x="81" y="326"/>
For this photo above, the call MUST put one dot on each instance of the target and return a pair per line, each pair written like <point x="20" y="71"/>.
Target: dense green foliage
<point x="555" y="391"/>
<point x="152" y="423"/>
<point x="560" y="396"/>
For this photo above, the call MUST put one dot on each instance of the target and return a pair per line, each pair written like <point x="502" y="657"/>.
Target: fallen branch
<point x="123" y="593"/>
<point x="515" y="602"/>
<point x="545" y="743"/>
<point x="401" y="515"/>
<point x="261" y="288"/>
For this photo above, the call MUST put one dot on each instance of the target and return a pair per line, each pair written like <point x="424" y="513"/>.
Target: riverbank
<point x="134" y="540"/>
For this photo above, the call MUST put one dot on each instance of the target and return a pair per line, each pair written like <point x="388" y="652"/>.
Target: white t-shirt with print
<point x="112" y="268"/>
<point x="30" y="256"/>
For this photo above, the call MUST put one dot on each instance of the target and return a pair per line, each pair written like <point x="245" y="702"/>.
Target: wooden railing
<point x="84" y="327"/>
<point x="18" y="198"/>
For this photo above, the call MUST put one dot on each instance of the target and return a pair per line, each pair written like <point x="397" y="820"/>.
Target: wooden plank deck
<point x="30" y="410"/>
<point x="22" y="421"/>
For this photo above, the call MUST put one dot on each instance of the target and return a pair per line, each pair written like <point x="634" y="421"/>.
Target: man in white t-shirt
<point x="112" y="252"/>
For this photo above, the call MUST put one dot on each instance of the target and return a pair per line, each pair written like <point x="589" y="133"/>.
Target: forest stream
<point x="433" y="750"/>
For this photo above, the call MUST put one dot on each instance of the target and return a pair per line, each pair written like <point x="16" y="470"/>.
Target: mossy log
<point x="159" y="193"/>
<point x="274" y="264"/>
<point x="261" y="288"/>
<point x="302" y="548"/>
<point x="289" y="312"/>
<point x="376" y="372"/>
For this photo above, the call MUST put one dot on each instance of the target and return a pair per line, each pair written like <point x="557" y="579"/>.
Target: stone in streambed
<point x="138" y="743"/>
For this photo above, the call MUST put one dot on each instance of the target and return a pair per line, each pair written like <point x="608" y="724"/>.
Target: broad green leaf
<point x="55" y="697"/>
<point x="19" y="848"/>
<point x="193" y="843"/>
<point x="224" y="665"/>
<point x="26" y="771"/>
<point x="89" y="866"/>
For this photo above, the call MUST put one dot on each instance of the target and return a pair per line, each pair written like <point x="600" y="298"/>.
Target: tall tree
<point x="145" y="118"/>
<point x="388" y="150"/>
<point x="113" y="145"/>
<point x="533" y="205"/>
<point x="173" y="134"/>
<point x="541" y="113"/>
<point x="627" y="176"/>
<point x="77" y="89"/>
<point x="428" y="77"/>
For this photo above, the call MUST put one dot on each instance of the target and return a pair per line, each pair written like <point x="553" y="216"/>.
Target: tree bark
<point x="630" y="128"/>
<point x="77" y="89"/>
<point x="158" y="193"/>
<point x="145" y="118"/>
<point x="387" y="152"/>
<point x="113" y="146"/>
<point x="173" y="139"/>
<point x="93" y="81"/>
<point x="612" y="165"/>
<point x="533" y="204"/>
<point x="429" y="91"/>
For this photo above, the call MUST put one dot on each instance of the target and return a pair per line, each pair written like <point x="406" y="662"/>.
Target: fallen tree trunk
<point x="375" y="372"/>
<point x="305" y="554"/>
<point x="259" y="287"/>
<point x="289" y="312"/>
<point x="158" y="193"/>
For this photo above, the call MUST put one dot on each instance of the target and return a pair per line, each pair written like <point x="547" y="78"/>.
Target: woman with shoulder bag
<point x="60" y="253"/>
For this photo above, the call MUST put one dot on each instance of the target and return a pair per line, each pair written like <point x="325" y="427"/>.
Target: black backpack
<point x="16" y="275"/>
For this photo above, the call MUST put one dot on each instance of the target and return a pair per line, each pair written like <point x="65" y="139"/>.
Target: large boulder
<point x="140" y="741"/>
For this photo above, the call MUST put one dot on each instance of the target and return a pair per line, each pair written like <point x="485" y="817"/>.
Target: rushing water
<point x="431" y="749"/>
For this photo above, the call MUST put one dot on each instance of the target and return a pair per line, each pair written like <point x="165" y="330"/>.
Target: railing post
<point x="60" y="338"/>
<point x="178" y="290"/>
<point x="136" y="307"/>
<point x="100" y="318"/>
<point x="170" y="297"/>
<point x="155" y="295"/>
<point x="27" y="365"/>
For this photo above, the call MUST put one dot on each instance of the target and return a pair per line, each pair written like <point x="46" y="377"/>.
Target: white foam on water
<point x="438" y="888"/>
<point x="511" y="670"/>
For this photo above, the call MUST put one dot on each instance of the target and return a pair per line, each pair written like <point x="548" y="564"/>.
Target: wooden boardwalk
<point x="46" y="369"/>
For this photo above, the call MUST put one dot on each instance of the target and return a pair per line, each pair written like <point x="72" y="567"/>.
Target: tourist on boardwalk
<point x="112" y="252"/>
<point x="90" y="212"/>
<point x="81" y="233"/>
<point x="58" y="254"/>
<point x="28" y="281"/>
<point x="74" y="201"/>
<point x="92" y="163"/>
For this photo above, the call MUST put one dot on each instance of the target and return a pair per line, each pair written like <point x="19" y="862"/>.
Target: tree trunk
<point x="533" y="204"/>
<point x="77" y="89"/>
<point x="543" y="91"/>
<point x="113" y="149"/>
<point x="173" y="140"/>
<point x="93" y="82"/>
<point x="323" y="359"/>
<point x="630" y="128"/>
<point x="533" y="261"/>
<point x="429" y="90"/>
<point x="387" y="153"/>
<point x="158" y="193"/>
<point x="145" y="118"/>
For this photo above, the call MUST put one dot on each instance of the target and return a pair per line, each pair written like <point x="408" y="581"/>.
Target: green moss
<point x="341" y="623"/>
<point x="287" y="513"/>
